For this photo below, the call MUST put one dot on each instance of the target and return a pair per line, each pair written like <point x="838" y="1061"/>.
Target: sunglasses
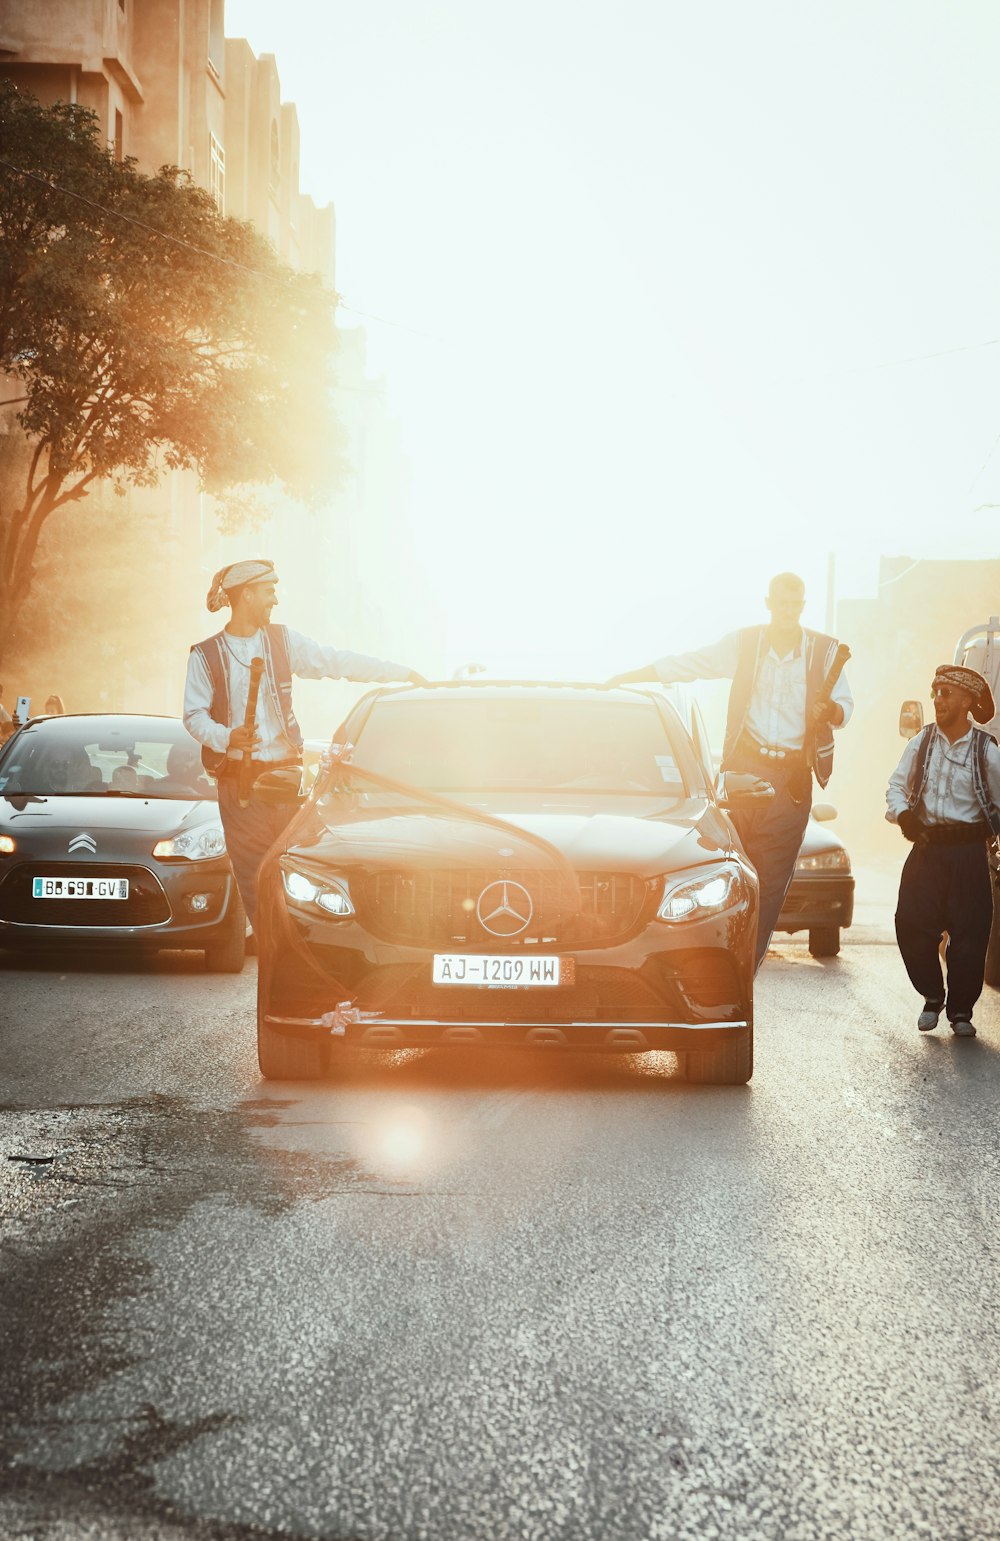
<point x="946" y="692"/>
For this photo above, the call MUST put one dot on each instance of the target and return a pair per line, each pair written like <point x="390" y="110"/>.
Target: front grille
<point x="402" y="990"/>
<point x="146" y="904"/>
<point x="438" y="909"/>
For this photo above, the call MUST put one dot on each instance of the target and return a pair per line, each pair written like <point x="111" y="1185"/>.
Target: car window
<point x="490" y="745"/>
<point x="95" y="756"/>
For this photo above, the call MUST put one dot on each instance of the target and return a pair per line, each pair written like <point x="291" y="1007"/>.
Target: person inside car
<point x="184" y="777"/>
<point x="72" y="771"/>
<point x="124" y="779"/>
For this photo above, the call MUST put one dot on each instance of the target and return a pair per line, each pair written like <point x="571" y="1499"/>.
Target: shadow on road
<point x="543" y="1071"/>
<point x="100" y="960"/>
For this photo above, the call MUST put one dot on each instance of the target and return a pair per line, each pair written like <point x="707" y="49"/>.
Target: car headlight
<point x="193" y="844"/>
<point x="825" y="861"/>
<point x="692" y="898"/>
<point x="329" y="895"/>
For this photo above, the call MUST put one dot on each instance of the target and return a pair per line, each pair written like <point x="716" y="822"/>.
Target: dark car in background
<point x="110" y="838"/>
<point x="549" y="868"/>
<point x="820" y="899"/>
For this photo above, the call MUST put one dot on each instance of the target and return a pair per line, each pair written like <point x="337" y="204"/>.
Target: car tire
<point x="728" y="1064"/>
<point x="824" y="941"/>
<point x="284" y="1058"/>
<point x="228" y="955"/>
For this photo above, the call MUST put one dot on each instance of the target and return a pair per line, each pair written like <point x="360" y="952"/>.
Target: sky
<point x="663" y="280"/>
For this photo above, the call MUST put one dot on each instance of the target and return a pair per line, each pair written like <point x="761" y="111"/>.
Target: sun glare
<point x="400" y="1142"/>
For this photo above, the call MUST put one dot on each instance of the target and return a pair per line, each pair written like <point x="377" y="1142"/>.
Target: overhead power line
<point x="201" y="251"/>
<point x="975" y="480"/>
<point x="920" y="358"/>
<point x="129" y="219"/>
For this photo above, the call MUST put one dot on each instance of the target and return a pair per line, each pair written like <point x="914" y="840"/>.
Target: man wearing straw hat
<point x="945" y="796"/>
<point x="215" y="702"/>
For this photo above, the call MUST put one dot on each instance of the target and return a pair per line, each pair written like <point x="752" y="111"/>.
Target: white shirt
<point x="949" y="791"/>
<point x="308" y="659"/>
<point x="777" y="712"/>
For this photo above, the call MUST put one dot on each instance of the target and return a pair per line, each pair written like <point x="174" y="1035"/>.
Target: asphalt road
<point x="477" y="1299"/>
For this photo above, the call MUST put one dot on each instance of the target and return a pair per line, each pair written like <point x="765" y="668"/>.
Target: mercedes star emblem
<point x="504" y="908"/>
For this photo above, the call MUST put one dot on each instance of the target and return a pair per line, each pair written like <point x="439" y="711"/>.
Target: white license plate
<point x="79" y="888"/>
<point x="496" y="971"/>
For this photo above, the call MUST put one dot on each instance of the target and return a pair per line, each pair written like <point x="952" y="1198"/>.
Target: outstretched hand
<point x="646" y="676"/>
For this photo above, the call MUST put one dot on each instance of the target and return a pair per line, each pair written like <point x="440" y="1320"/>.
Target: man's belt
<point x="231" y="768"/>
<point x="770" y="756"/>
<point x="955" y="834"/>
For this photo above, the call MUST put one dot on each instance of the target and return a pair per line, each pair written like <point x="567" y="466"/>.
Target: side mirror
<point x="742" y="787"/>
<point x="279" y="786"/>
<point x="823" y="812"/>
<point x="911" y="718"/>
<point x="337" y="751"/>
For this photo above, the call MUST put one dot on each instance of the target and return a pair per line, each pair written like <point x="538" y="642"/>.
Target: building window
<point x="217" y="173"/>
<point x="119" y="136"/>
<point x="216" y="35"/>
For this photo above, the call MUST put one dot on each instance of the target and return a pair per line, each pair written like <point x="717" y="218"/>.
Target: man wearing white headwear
<point x="215" y="701"/>
<point x="945" y="796"/>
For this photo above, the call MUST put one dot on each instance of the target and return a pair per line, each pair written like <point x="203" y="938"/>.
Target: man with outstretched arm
<point x="945" y="796"/>
<point x="215" y="704"/>
<point x="779" y="728"/>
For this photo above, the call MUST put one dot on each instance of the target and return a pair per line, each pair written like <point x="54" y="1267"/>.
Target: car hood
<point x="46" y="824"/>
<point x="389" y="839"/>
<point x="819" y="838"/>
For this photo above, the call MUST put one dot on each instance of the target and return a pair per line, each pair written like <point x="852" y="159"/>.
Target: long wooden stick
<point x="245" y="784"/>
<point x="841" y="656"/>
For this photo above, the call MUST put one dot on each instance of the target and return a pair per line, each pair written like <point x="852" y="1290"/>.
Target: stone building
<point x="169" y="88"/>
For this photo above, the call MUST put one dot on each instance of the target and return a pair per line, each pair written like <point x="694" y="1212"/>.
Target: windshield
<point x="521" y="745"/>
<point x="104" y="757"/>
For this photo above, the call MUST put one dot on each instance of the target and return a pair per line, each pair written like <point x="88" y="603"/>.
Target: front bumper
<point x="164" y="920"/>
<point x="818" y="901"/>
<point x="664" y="988"/>
<point x="499" y="1033"/>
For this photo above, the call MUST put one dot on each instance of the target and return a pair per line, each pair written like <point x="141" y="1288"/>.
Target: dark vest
<point x="277" y="680"/>
<point x="820" y="650"/>
<point x="920" y="769"/>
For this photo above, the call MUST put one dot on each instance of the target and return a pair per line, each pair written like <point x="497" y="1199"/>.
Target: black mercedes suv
<point x="543" y="865"/>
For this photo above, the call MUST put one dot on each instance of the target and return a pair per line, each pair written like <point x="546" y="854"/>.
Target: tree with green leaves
<point x="142" y="332"/>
